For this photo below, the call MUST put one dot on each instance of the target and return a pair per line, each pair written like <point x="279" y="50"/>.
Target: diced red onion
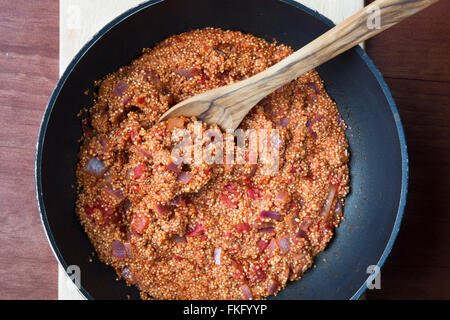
<point x="329" y="202"/>
<point x="116" y="193"/>
<point x="273" y="286"/>
<point x="284" y="244"/>
<point x="178" y="200"/>
<point x="284" y="122"/>
<point x="338" y="209"/>
<point x="301" y="234"/>
<point x="128" y="275"/>
<point x="95" y="167"/>
<point x="305" y="224"/>
<point x="184" y="177"/>
<point x="127" y="205"/>
<point x="87" y="128"/>
<point x="104" y="143"/>
<point x="145" y="153"/>
<point x="272" y="245"/>
<point x="218" y="256"/>
<point x="266" y="230"/>
<point x="129" y="249"/>
<point x="173" y="167"/>
<point x="120" y="88"/>
<point x="313" y="85"/>
<point x="292" y="221"/>
<point x="247" y="292"/>
<point x="269" y="214"/>
<point x="187" y="73"/>
<point x="119" y="250"/>
<point x="161" y="209"/>
<point x="310" y="123"/>
<point x="180" y="239"/>
<point x="152" y="76"/>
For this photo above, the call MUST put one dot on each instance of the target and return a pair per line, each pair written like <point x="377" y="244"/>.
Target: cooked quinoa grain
<point x="209" y="231"/>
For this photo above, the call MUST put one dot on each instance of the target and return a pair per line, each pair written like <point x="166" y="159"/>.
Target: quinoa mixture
<point x="209" y="231"/>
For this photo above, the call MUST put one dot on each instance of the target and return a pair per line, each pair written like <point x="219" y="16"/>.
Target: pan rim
<point x="116" y="21"/>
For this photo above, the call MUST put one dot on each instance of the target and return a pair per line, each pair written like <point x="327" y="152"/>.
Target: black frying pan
<point x="379" y="163"/>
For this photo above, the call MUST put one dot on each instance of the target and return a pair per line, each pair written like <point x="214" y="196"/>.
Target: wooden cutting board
<point x="81" y="19"/>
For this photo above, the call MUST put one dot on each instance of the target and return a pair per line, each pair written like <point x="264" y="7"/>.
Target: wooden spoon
<point x="227" y="106"/>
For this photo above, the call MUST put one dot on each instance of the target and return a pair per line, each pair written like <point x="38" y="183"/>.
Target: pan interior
<point x="378" y="153"/>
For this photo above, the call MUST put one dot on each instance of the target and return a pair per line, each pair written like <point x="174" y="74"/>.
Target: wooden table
<point x="413" y="57"/>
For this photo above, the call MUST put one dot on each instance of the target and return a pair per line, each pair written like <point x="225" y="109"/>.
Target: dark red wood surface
<point x="29" y="44"/>
<point x="414" y="57"/>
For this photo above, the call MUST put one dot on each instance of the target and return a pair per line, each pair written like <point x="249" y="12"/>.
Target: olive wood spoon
<point x="227" y="106"/>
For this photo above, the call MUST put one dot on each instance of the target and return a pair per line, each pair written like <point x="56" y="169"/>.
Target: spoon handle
<point x="368" y="22"/>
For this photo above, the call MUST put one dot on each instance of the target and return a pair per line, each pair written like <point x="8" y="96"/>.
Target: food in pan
<point x="201" y="229"/>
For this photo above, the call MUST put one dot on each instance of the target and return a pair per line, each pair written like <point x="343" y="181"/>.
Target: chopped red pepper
<point x="140" y="100"/>
<point x="229" y="203"/>
<point x="254" y="193"/>
<point x="198" y="230"/>
<point x="256" y="274"/>
<point x="89" y="212"/>
<point x="178" y="258"/>
<point x="204" y="79"/>
<point x="138" y="171"/>
<point x="139" y="223"/>
<point x="231" y="189"/>
<point x="261" y="244"/>
<point x="237" y="271"/>
<point x="109" y="215"/>
<point x="242" y="227"/>
<point x="296" y="169"/>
